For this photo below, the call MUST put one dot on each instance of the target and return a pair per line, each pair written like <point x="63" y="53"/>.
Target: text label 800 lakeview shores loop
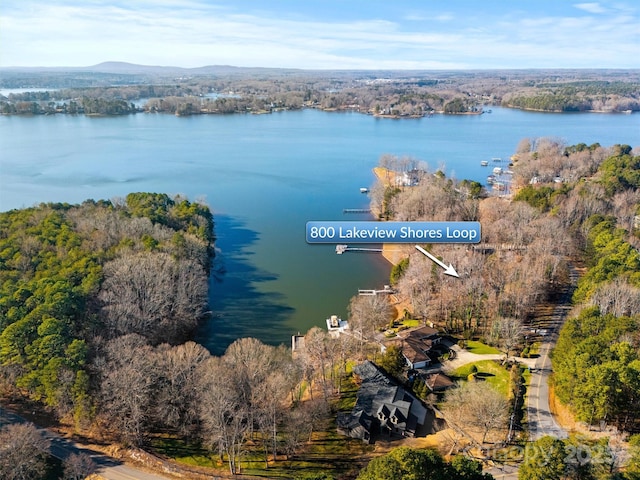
<point x="392" y="232"/>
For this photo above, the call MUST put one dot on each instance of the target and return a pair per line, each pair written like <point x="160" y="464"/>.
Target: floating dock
<point x="340" y="249"/>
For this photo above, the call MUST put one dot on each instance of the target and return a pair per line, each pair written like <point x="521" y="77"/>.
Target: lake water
<point x="264" y="177"/>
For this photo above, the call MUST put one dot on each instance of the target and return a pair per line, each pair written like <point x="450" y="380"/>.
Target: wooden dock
<point x="492" y="247"/>
<point x="340" y="249"/>
<point x="386" y="290"/>
<point x="356" y="210"/>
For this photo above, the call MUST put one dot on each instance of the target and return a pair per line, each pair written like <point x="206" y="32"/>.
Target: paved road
<point x="61" y="448"/>
<point x="540" y="418"/>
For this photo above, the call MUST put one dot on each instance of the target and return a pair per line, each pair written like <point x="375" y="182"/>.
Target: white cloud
<point x="420" y="17"/>
<point x="591" y="7"/>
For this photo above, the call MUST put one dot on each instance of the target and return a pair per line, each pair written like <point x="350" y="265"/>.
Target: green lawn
<point x="488" y="370"/>
<point x="347" y="399"/>
<point x="480" y="348"/>
<point x="183" y="452"/>
<point x="328" y="452"/>
<point x="410" y="323"/>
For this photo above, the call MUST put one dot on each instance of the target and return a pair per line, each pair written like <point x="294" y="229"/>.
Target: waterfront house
<point x="418" y="346"/>
<point x="383" y="408"/>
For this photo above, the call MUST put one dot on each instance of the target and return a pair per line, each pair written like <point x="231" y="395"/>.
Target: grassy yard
<point x="185" y="453"/>
<point x="327" y="452"/>
<point x="400" y="325"/>
<point x="480" y="348"/>
<point x="489" y="371"/>
<point x="347" y="399"/>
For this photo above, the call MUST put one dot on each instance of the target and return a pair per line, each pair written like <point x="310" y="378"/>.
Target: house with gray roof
<point x="383" y="408"/>
<point x="418" y="346"/>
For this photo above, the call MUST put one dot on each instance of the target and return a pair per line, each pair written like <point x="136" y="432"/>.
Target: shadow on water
<point x="239" y="308"/>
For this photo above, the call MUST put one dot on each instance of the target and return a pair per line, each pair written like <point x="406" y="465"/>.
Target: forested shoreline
<point x="75" y="277"/>
<point x="386" y="94"/>
<point x="99" y="301"/>
<point x="572" y="202"/>
<point x="573" y="205"/>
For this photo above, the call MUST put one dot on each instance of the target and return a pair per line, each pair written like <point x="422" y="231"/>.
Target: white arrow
<point x="447" y="270"/>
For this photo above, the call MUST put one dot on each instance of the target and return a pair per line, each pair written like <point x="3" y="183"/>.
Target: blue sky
<point x="328" y="34"/>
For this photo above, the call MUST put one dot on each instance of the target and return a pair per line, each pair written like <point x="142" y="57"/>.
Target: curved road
<point x="61" y="448"/>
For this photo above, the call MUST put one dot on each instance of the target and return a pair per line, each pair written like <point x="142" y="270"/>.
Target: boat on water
<point x="497" y="170"/>
<point x="336" y="326"/>
<point x="364" y="190"/>
<point x="484" y="163"/>
<point x="491" y="179"/>
<point x="496" y="159"/>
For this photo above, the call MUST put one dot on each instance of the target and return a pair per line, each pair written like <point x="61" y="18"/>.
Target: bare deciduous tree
<point x="618" y="298"/>
<point x="78" y="466"/>
<point x="478" y="405"/>
<point x="153" y="295"/>
<point x="223" y="411"/>
<point x="270" y="405"/>
<point x="366" y="314"/>
<point x="301" y="421"/>
<point x="128" y="376"/>
<point x="416" y="285"/>
<point x="177" y="397"/>
<point x="317" y="351"/>
<point x="243" y="391"/>
<point x="23" y="452"/>
<point x="508" y="333"/>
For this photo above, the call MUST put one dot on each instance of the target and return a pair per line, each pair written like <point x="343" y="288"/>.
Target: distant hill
<point x="133" y="69"/>
<point x="124" y="68"/>
<point x="159" y="70"/>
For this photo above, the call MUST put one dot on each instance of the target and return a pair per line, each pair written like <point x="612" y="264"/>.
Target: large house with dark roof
<point x="383" y="408"/>
<point x="418" y="346"/>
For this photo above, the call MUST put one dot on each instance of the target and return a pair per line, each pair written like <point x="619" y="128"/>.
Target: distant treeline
<point x="408" y="95"/>
<point x="85" y="105"/>
<point x="578" y="97"/>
